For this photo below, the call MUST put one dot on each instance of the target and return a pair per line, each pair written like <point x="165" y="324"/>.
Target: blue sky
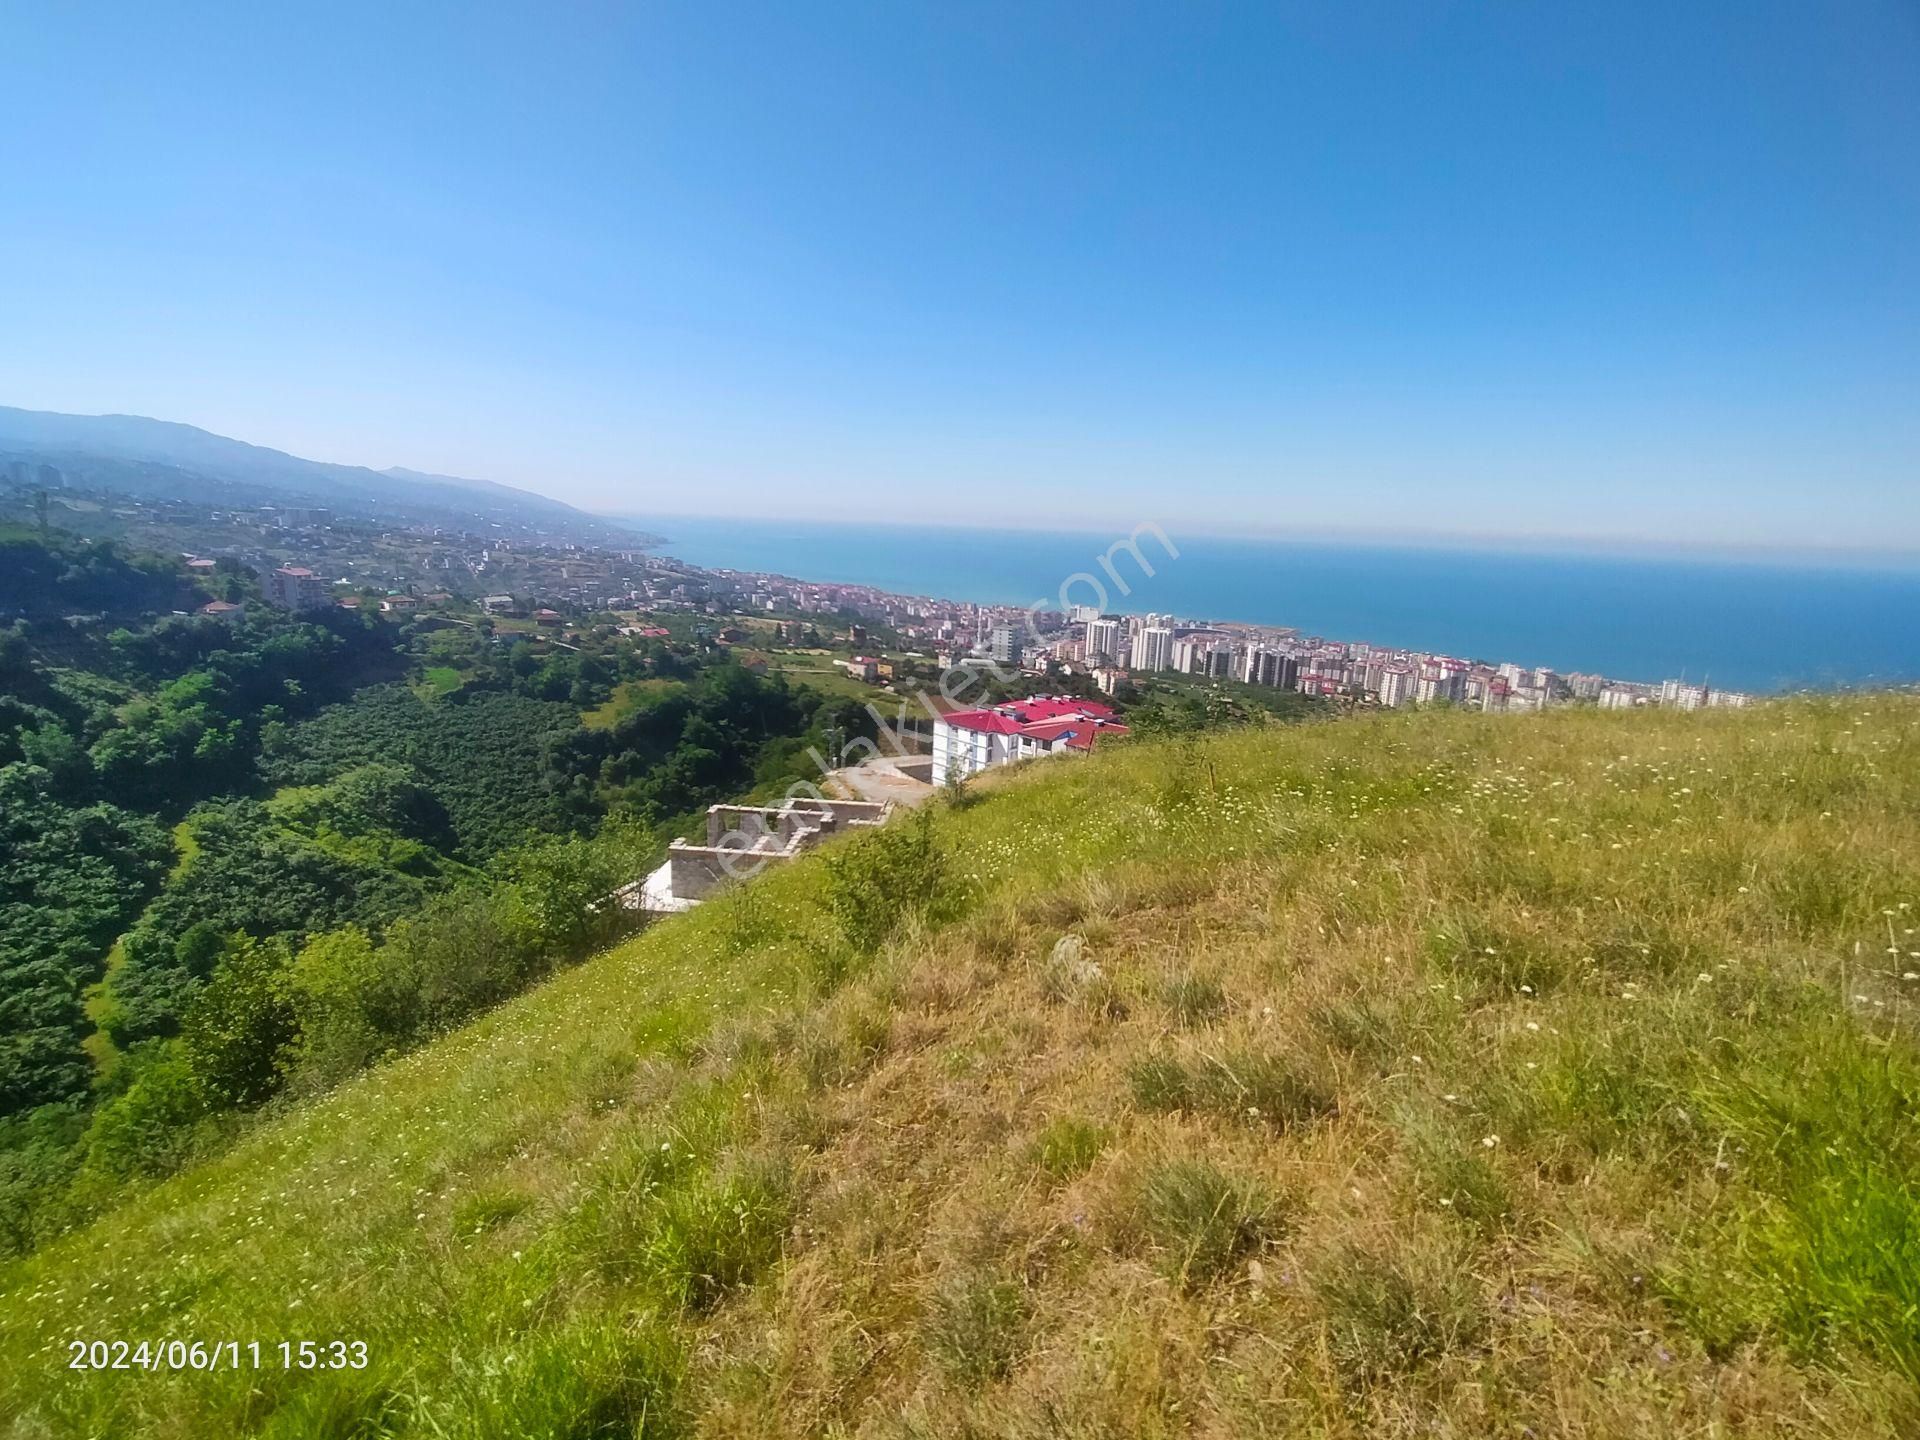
<point x="1645" y="271"/>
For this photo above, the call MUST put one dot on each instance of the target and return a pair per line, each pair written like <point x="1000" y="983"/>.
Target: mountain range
<point x="165" y="459"/>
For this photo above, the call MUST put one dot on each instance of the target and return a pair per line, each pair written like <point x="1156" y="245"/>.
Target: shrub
<point x="955" y="792"/>
<point x="975" y="1326"/>
<point x="35" y="1170"/>
<point x="1202" y="1220"/>
<point x="463" y="954"/>
<point x="873" y="881"/>
<point x="151" y="1129"/>
<point x="554" y="884"/>
<point x="237" y="1026"/>
<point x="334" y="986"/>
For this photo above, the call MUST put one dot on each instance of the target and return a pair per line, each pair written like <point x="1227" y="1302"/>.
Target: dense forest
<point x="249" y="854"/>
<point x="54" y="574"/>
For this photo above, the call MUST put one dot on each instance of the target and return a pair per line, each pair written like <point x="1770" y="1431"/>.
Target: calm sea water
<point x="1740" y="625"/>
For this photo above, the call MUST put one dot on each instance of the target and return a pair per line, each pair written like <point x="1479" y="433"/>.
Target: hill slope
<point x="139" y="455"/>
<point x="1421" y="1074"/>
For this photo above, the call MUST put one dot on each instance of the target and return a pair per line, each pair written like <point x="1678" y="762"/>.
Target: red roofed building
<point x="968" y="741"/>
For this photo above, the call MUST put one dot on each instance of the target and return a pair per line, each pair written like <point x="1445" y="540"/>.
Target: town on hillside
<point x="533" y="577"/>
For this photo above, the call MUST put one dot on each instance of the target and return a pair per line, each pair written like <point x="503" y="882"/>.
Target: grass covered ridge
<point x="1418" y="1074"/>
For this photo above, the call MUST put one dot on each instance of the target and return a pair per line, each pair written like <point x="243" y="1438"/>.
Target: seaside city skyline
<point x="1112" y="643"/>
<point x="1746" y="623"/>
<point x="1753" y="626"/>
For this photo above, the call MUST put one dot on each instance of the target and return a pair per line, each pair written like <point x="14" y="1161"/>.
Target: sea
<point x="1737" y="624"/>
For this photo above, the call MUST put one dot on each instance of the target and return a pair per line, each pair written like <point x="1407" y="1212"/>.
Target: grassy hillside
<point x="1422" y="1074"/>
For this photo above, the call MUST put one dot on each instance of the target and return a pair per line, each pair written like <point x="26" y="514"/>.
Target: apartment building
<point x="294" y="587"/>
<point x="968" y="741"/>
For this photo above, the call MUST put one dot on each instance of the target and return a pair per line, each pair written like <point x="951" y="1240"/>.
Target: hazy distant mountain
<point x="137" y="455"/>
<point x="461" y="482"/>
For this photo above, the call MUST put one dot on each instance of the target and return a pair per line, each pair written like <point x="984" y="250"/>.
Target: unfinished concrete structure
<point x="741" y="841"/>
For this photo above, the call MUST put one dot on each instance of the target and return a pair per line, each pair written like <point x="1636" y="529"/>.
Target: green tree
<point x="555" y="886"/>
<point x="148" y="1130"/>
<point x="346" y="1011"/>
<point x="70" y="878"/>
<point x="235" y="1029"/>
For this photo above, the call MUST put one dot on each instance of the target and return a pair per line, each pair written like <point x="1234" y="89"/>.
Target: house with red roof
<point x="966" y="742"/>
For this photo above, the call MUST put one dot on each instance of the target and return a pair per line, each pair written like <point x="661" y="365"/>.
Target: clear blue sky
<point x="1604" y="270"/>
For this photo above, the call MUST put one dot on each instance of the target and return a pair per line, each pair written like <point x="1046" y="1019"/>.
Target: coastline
<point x="1761" y="627"/>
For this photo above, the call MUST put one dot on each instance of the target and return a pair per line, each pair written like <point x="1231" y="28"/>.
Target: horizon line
<point x="1616" y="546"/>
<point x="1836" y="555"/>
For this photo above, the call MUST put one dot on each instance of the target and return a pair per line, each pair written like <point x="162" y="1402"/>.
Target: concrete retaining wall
<point x="741" y="839"/>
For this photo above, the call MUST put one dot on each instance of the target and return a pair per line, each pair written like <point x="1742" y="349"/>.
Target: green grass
<point x="1202" y="1220"/>
<point x="1068" y="1146"/>
<point x="820" y="673"/>
<point x="625" y="699"/>
<point x="99" y="1046"/>
<point x="1582" y="1047"/>
<point x="1193" y="1000"/>
<point x="975" y="1327"/>
<point x="186" y="846"/>
<point x="1390" y="1314"/>
<point x="1234" y="1084"/>
<point x="438" y="680"/>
